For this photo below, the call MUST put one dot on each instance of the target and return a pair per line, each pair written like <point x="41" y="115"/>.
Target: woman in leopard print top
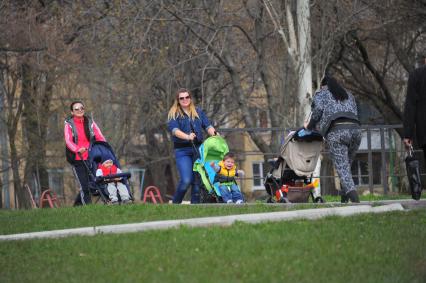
<point x="335" y="114"/>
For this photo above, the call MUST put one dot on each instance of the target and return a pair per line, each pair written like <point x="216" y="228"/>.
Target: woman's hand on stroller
<point x="305" y="124"/>
<point x="212" y="164"/>
<point x="82" y="150"/>
<point x="192" y="136"/>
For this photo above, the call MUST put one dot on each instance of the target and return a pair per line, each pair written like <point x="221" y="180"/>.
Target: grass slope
<point x="387" y="247"/>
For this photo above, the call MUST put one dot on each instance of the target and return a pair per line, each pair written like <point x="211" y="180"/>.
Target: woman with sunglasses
<point x="80" y="131"/>
<point x="185" y="122"/>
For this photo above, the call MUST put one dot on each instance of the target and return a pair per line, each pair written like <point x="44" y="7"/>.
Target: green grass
<point x="387" y="247"/>
<point x="372" y="197"/>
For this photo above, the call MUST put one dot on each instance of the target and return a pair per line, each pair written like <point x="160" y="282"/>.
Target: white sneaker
<point x="240" y="201"/>
<point x="229" y="201"/>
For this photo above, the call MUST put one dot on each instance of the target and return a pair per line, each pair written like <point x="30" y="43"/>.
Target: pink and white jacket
<point x="78" y="138"/>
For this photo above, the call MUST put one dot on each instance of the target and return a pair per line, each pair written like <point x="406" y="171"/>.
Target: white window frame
<point x="262" y="177"/>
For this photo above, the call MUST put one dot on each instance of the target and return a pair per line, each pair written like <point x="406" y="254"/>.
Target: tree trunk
<point x="21" y="198"/>
<point x="4" y="152"/>
<point x="36" y="99"/>
<point x="305" y="61"/>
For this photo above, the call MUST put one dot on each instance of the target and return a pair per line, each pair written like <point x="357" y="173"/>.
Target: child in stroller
<point x="290" y="179"/>
<point x="211" y="150"/>
<point x="99" y="153"/>
<point x="107" y="168"/>
<point x="226" y="173"/>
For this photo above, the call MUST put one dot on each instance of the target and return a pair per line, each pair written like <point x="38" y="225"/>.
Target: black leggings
<point x="80" y="171"/>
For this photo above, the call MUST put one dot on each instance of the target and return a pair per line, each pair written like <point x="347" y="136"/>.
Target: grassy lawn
<point x="387" y="247"/>
<point x="373" y="197"/>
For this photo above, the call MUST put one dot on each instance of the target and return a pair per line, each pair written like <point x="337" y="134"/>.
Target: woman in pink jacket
<point x="80" y="131"/>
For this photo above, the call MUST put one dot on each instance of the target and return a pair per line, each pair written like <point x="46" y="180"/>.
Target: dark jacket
<point x="415" y="106"/>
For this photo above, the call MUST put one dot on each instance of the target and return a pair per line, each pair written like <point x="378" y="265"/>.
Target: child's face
<point x="108" y="163"/>
<point x="229" y="163"/>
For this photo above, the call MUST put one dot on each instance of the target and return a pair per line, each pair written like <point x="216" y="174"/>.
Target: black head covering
<point x="338" y="92"/>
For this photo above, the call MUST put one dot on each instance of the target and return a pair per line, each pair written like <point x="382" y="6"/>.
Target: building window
<point x="257" y="168"/>
<point x="56" y="181"/>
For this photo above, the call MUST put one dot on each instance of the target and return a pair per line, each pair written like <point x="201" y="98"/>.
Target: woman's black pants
<point x="82" y="176"/>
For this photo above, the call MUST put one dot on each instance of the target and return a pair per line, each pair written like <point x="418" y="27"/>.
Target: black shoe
<point x="344" y="198"/>
<point x="353" y="196"/>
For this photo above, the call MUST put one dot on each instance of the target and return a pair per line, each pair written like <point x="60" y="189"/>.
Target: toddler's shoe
<point x="240" y="201"/>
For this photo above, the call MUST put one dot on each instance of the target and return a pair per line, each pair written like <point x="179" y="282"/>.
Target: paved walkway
<point x="346" y="210"/>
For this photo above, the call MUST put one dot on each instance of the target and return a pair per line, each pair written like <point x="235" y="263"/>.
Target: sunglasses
<point x="79" y="109"/>
<point x="184" y="97"/>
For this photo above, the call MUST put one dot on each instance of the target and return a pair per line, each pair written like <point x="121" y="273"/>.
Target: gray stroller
<point x="291" y="178"/>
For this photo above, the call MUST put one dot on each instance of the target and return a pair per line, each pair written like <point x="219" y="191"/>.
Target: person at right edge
<point x="414" y="119"/>
<point x="335" y="112"/>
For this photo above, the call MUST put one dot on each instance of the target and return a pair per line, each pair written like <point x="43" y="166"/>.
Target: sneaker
<point x="126" y="201"/>
<point x="240" y="201"/>
<point x="229" y="201"/>
<point x="115" y="202"/>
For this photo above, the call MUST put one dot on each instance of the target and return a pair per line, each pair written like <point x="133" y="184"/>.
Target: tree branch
<point x="22" y="50"/>
<point x="366" y="60"/>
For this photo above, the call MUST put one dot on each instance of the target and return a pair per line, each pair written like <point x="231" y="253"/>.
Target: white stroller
<point x="290" y="179"/>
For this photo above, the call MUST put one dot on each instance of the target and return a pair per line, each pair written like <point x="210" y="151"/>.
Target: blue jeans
<point x="185" y="158"/>
<point x="230" y="193"/>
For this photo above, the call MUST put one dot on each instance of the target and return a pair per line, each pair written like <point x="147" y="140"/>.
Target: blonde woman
<point x="185" y="122"/>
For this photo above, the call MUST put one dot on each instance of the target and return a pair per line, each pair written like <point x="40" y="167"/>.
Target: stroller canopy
<point x="213" y="149"/>
<point x="99" y="152"/>
<point x="301" y="151"/>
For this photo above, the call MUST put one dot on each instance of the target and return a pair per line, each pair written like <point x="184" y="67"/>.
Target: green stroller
<point x="212" y="149"/>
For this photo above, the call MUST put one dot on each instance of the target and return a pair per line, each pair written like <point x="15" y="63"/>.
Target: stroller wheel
<point x="319" y="200"/>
